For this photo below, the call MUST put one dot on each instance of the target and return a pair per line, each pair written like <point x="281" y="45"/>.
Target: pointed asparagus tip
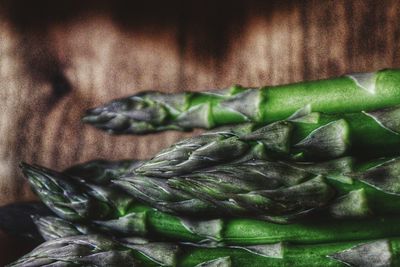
<point x="24" y="166"/>
<point x="31" y="172"/>
<point x="36" y="172"/>
<point x="97" y="116"/>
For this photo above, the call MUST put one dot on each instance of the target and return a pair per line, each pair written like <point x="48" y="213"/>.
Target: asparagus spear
<point x="124" y="216"/>
<point x="378" y="252"/>
<point x="151" y="111"/>
<point x="214" y="253"/>
<point x="351" y="253"/>
<point x="372" y="253"/>
<point x="304" y="136"/>
<point x="275" y="191"/>
<point x="53" y="228"/>
<point x="96" y="250"/>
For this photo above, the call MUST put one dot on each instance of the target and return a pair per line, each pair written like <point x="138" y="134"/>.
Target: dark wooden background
<point x="58" y="58"/>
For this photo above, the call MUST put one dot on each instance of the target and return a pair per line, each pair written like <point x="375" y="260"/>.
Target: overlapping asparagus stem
<point x="124" y="217"/>
<point x="97" y="250"/>
<point x="357" y="254"/>
<point x="275" y="191"/>
<point x="154" y="111"/>
<point x="304" y="136"/>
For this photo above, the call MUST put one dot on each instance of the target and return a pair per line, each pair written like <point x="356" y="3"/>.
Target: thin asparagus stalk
<point x="97" y="250"/>
<point x="276" y="191"/>
<point x="373" y="253"/>
<point x="305" y="136"/>
<point x="151" y="111"/>
<point x="120" y="215"/>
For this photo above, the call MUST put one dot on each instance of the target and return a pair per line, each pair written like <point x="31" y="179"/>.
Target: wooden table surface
<point x="58" y="58"/>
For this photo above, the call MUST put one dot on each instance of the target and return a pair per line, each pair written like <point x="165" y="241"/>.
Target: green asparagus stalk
<point x="357" y="254"/>
<point x="97" y="250"/>
<point x="304" y="136"/>
<point x="275" y="191"/>
<point x="151" y="111"/>
<point x="121" y="215"/>
<point x="377" y="252"/>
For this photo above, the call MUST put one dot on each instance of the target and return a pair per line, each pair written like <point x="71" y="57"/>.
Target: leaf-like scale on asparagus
<point x="220" y="262"/>
<point x="51" y="227"/>
<point x="328" y="141"/>
<point x="352" y="205"/>
<point x="376" y="253"/>
<point x="162" y="253"/>
<point x="389" y="118"/>
<point x="385" y="177"/>
<point x="211" y="229"/>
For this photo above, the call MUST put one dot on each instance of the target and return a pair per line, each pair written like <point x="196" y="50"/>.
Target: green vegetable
<point x="104" y="208"/>
<point x="154" y="111"/>
<point x="305" y="136"/>
<point x="351" y="253"/>
<point x="97" y="250"/>
<point x="275" y="191"/>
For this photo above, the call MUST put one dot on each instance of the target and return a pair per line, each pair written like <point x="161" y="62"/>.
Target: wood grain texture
<point x="58" y="59"/>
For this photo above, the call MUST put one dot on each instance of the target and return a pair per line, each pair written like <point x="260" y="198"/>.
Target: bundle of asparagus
<point x="311" y="178"/>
